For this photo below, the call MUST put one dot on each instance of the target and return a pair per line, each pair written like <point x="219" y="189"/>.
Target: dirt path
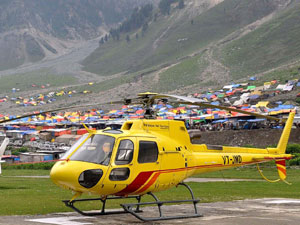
<point x="216" y="71"/>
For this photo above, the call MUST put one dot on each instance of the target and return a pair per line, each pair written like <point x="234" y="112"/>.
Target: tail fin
<point x="281" y="147"/>
<point x="3" y="146"/>
<point x="280" y="164"/>
<point x="281" y="168"/>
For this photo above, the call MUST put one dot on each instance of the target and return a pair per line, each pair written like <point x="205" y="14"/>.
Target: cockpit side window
<point x="125" y="152"/>
<point x="148" y="152"/>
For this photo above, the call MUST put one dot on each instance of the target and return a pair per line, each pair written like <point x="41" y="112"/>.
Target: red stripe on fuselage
<point x="153" y="179"/>
<point x="137" y="183"/>
<point x="141" y="179"/>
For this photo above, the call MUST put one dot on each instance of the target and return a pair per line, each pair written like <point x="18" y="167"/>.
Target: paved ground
<point x="247" y="212"/>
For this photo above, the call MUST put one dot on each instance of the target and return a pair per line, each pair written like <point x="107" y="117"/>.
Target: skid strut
<point x="134" y="208"/>
<point x="130" y="207"/>
<point x="71" y="205"/>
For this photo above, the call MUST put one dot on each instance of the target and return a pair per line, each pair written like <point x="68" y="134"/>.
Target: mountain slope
<point x="274" y="44"/>
<point x="31" y="30"/>
<point x="205" y="45"/>
<point x="171" y="37"/>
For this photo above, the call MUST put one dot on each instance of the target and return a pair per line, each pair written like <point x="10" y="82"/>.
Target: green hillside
<point x="183" y="74"/>
<point x="177" y="35"/>
<point x="41" y="77"/>
<point x="273" y="44"/>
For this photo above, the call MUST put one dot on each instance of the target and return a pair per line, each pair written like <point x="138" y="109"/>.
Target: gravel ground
<point x="245" y="212"/>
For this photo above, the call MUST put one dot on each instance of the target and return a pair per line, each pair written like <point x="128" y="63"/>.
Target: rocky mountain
<point x="31" y="30"/>
<point x="179" y="33"/>
<point x="204" y="43"/>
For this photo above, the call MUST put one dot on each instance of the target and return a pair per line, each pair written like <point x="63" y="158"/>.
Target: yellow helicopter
<point x="147" y="156"/>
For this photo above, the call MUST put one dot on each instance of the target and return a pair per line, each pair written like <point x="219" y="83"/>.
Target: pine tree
<point x="145" y="27"/>
<point x="164" y="6"/>
<point x="101" y="42"/>
<point x="181" y="4"/>
<point x="155" y="17"/>
<point x="127" y="38"/>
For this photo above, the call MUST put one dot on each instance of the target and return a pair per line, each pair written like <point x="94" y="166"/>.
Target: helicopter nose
<point x="70" y="176"/>
<point x="62" y="175"/>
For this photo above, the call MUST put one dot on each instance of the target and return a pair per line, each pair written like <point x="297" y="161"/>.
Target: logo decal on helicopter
<point x="158" y="126"/>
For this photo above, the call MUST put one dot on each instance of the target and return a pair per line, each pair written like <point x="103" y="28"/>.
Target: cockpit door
<point x="147" y="166"/>
<point x="121" y="167"/>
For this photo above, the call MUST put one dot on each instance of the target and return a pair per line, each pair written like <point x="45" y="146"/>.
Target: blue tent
<point x="220" y="121"/>
<point x="24" y="119"/>
<point x="254" y="97"/>
<point x="163" y="110"/>
<point x="274" y="109"/>
<point x="285" y="106"/>
<point x="256" y="120"/>
<point x="215" y="103"/>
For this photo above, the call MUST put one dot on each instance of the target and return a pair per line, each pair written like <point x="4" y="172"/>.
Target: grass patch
<point x="21" y="196"/>
<point x="105" y="85"/>
<point x="29" y="166"/>
<point x="41" y="77"/>
<point x="183" y="74"/>
<point x="24" y="172"/>
<point x="281" y="75"/>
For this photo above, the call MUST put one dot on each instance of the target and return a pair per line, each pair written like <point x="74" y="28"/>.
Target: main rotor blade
<point x="207" y="105"/>
<point x="60" y="109"/>
<point x="199" y="102"/>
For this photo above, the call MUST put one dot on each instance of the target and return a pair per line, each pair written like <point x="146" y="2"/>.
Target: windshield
<point x="96" y="149"/>
<point x="74" y="146"/>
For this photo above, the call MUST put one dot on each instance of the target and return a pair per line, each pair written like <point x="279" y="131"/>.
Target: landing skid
<point x="71" y="205"/>
<point x="129" y="207"/>
<point x="134" y="208"/>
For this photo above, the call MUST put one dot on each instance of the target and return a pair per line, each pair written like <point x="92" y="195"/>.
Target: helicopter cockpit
<point x="95" y="148"/>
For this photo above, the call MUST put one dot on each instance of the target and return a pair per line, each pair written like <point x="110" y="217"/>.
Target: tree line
<point x="165" y="5"/>
<point x="140" y="18"/>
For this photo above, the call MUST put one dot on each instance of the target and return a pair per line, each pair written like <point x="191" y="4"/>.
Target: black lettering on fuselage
<point x="231" y="160"/>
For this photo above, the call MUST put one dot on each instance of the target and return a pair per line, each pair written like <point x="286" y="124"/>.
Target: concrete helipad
<point x="246" y="212"/>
